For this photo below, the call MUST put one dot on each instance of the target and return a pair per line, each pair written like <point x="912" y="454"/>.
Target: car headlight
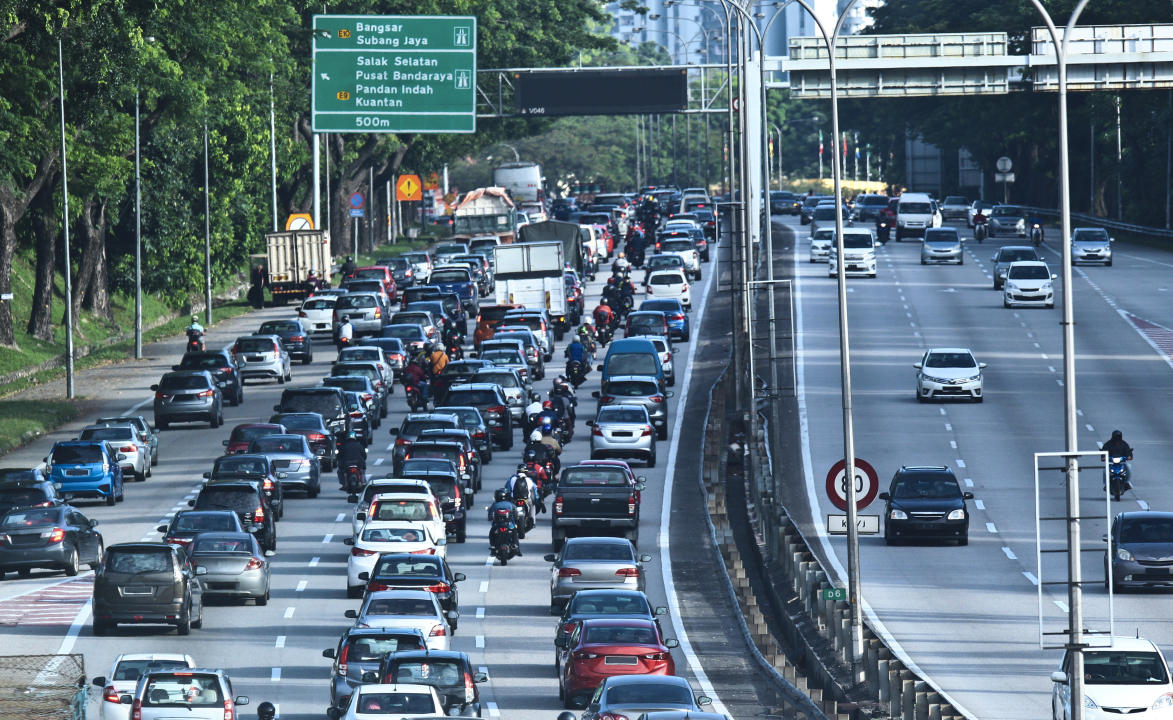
<point x="930" y="378"/>
<point x="1123" y="554"/>
<point x="1089" y="703"/>
<point x="897" y="514"/>
<point x="1011" y="287"/>
<point x="973" y="378"/>
<point x="1163" y="702"/>
<point x="1020" y="223"/>
<point x="958" y="514"/>
<point x="1046" y="285"/>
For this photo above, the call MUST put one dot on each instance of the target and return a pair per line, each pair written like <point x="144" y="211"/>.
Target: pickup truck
<point x="595" y="500"/>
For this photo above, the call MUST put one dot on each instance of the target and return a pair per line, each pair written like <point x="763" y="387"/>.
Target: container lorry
<point x="292" y="256"/>
<point x="523" y="180"/>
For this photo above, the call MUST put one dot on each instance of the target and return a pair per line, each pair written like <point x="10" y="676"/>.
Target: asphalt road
<point x="274" y="652"/>
<point x="969" y="616"/>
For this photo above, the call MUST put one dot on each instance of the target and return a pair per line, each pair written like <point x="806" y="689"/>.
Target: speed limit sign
<point x="867" y="484"/>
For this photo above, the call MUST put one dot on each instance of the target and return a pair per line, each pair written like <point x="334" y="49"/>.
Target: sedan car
<point x="1091" y="245"/>
<point x="637" y="390"/>
<point x="925" y="502"/>
<point x="623" y="431"/>
<point x="295" y="335"/>
<point x="1128" y="677"/>
<point x="57" y="537"/>
<point x="1011" y="254"/>
<point x="295" y="463"/>
<point x="233" y="564"/>
<point x="1140" y="546"/>
<point x="949" y="372"/>
<point x="313" y="427"/>
<point x="593" y="563"/>
<point x="411" y="609"/>
<point x="124" y="674"/>
<point x="1007" y="220"/>
<point x="588" y="604"/>
<point x="670" y="284"/>
<point x="1028" y="283"/>
<point x="600" y="648"/>
<point x="146" y="431"/>
<point x="416" y="571"/>
<point x="400" y="700"/>
<point x="243" y="435"/>
<point x="187" y="524"/>
<point x="377" y="539"/>
<point x="253" y="468"/>
<point x="632" y="695"/>
<point x="361" y="651"/>
<point x="941" y="245"/>
<point x="224" y="370"/>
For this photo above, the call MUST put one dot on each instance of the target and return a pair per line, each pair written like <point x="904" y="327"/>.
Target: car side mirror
<point x="596" y="393"/>
<point x="393" y="431"/>
<point x="448" y="517"/>
<point x="350" y="614"/>
<point x="1054" y="276"/>
<point x="201" y="570"/>
<point x="1104" y="537"/>
<point x="670" y="393"/>
<point x="480" y="678"/>
<point x="560" y="642"/>
<point x="640" y="487"/>
<point x="333" y="713"/>
<point x="645" y="558"/>
<point x="453" y="614"/>
<point x="917" y="365"/>
<point x="224" y="443"/>
<point x="98" y="681"/>
<point x="981" y="366"/>
<point x="1059" y="677"/>
<point x="967" y="495"/>
<point x="126" y="699"/>
<point x="328" y="653"/>
<point x="600" y="369"/>
<point x="347" y="541"/>
<point x="704" y="700"/>
<point x="660" y="610"/>
<point x="242" y="699"/>
<point x="549" y="557"/>
<point x="364" y="576"/>
<point x="441" y="542"/>
<point x="191" y="503"/>
<point x="360" y="516"/>
<point x="155" y="387"/>
<point x="120" y="456"/>
<point x="671" y="643"/>
<point x="884" y="496"/>
<point x="176" y="367"/>
<point x="1111" y="240"/>
<point x="161" y="528"/>
<point x="207" y="476"/>
<point x="370" y="677"/>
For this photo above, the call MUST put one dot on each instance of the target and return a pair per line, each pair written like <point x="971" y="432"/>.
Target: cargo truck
<point x="523" y="180"/>
<point x="530" y="274"/>
<point x="485" y="211"/>
<point x="291" y="256"/>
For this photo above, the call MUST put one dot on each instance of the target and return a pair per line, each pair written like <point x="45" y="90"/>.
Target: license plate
<point x="619" y="660"/>
<point x="596" y="522"/>
<point x="254" y="358"/>
<point x="138" y="590"/>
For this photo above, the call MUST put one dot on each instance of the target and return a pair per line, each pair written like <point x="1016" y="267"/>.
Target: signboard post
<point x="1004" y="176"/>
<point x="394" y="73"/>
<point x="356" y="202"/>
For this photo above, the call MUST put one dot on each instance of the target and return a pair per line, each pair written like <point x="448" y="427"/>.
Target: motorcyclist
<point x="548" y="439"/>
<point x="348" y="269"/>
<point x="195" y="333"/>
<point x="621" y="264"/>
<point x="438" y="359"/>
<point x="195" y="326"/>
<point x="521" y="485"/>
<point x="351" y="453"/>
<point x="587" y="335"/>
<point x="1030" y="224"/>
<point x="563" y="399"/>
<point x="576" y="351"/>
<point x="344" y="335"/>
<point x="604" y="315"/>
<point x="549" y="415"/>
<point x="531" y="414"/>
<point x="501" y="511"/>
<point x="1116" y="447"/>
<point x="415" y="374"/>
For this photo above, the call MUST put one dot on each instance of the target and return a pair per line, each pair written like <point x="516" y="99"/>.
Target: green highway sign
<point x="835" y="594"/>
<point x="394" y="73"/>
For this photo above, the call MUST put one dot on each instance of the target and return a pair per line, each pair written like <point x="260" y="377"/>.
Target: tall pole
<point x="207" y="235"/>
<point x="371" y="214"/>
<point x="327" y="219"/>
<point x="273" y="151"/>
<point x="65" y="219"/>
<point x="317" y="181"/>
<point x="1119" y="165"/>
<point x="1091" y="172"/>
<point x="138" y="238"/>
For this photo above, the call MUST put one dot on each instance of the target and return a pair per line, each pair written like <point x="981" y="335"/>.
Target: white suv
<point x="859" y="253"/>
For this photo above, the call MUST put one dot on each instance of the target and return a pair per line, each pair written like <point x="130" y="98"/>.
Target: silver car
<point x="234" y="565"/>
<point x="1011" y="254"/>
<point x="1091" y="245"/>
<point x="124" y="675"/>
<point x="511" y="385"/>
<point x="1007" y="220"/>
<point x="623" y="431"/>
<point x="594" y="563"/>
<point x="196" y="694"/>
<point x="686" y="250"/>
<point x="637" y="390"/>
<point x="262" y="356"/>
<point x="123" y="440"/>
<point x="365" y="311"/>
<point x="146" y="431"/>
<point x="292" y="459"/>
<point x="955" y="207"/>
<point x="941" y="245"/>
<point x="949" y="372"/>
<point x="187" y="395"/>
<point x="410" y="609"/>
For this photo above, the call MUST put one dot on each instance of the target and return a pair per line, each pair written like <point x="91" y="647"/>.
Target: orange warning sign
<point x="408" y="188"/>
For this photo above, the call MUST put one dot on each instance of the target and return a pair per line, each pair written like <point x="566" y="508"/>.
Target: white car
<point x="821" y="244"/>
<point x="401" y="700"/>
<point x="665" y="350"/>
<point x="317" y="313"/>
<point x="670" y="284"/>
<point x="408" y="609"/>
<point x="123" y="439"/>
<point x="377" y="538"/>
<point x="1090" y="244"/>
<point x="1128" y="678"/>
<point x="949" y="372"/>
<point x="124" y="675"/>
<point x="382" y="486"/>
<point x="859" y="254"/>
<point x="414" y="507"/>
<point x="368" y="353"/>
<point x="686" y="250"/>
<point x="1028" y="283"/>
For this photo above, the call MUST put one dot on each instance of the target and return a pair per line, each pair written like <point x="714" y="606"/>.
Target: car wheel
<point x="963" y="540"/>
<point x="557" y="539"/>
<point x="662" y="432"/>
<point x="184" y="625"/>
<point x="280" y="379"/>
<point x="97" y="563"/>
<point x="214" y="421"/>
<point x="71" y="564"/>
<point x="1005" y="303"/>
<point x="155" y="458"/>
<point x="162" y="424"/>
<point x="555" y="608"/>
<point x="307" y="359"/>
<point x="923" y="261"/>
<point x="961" y="260"/>
<point x="651" y="459"/>
<point x="313" y="491"/>
<point x="671" y="381"/>
<point x="632" y="536"/>
<point x="462" y="531"/>
<point x="101" y="628"/>
<point x="1108" y="264"/>
<point x="889" y="539"/>
<point x="199" y="621"/>
<point x="263" y="600"/>
<point x="979" y="398"/>
<point x="110" y="499"/>
<point x="140" y="476"/>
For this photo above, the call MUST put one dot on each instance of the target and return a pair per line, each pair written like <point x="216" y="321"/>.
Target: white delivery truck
<point x="530" y="274"/>
<point x="523" y="180"/>
<point x="291" y="256"/>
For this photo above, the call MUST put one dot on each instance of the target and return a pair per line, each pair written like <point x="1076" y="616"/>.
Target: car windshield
<point x="1029" y="272"/>
<point x="138" y="561"/>
<point x="240" y="466"/>
<point x="394" y="703"/>
<point x="393" y="535"/>
<point x="404" y="332"/>
<point x="915" y="208"/>
<point x="254" y="345"/>
<point x="230" y="545"/>
<point x="277" y="327"/>
<point x="823" y="235"/>
<point x="1117" y="667"/>
<point x="132" y="670"/>
<point x="926" y="487"/>
<point x="950" y="360"/>
<point x="400" y="510"/>
<point x="322" y="303"/>
<point x="857" y="241"/>
<point x="827" y="212"/>
<point x="597" y="551"/>
<point x="317" y="402"/>
<point x="399" y="606"/>
<point x="955" y="200"/>
<point x="76" y="455"/>
<point x="452" y="275"/>
<point x="593" y="475"/>
<point x="347" y="302"/>
<point x="941" y="236"/>
<point x="595" y="603"/>
<point x="415" y="427"/>
<point x="300" y="421"/>
<point x="176" y="383"/>
<point x="669" y="278"/>
<point x="633" y="363"/>
<point x="348" y="382"/>
<point x="371" y="273"/>
<point x="418" y="566"/>
<point x="31" y="517"/>
<point x="182" y="690"/>
<point x="1009" y="255"/>
<point x="623" y="415"/>
<point x="21" y="497"/>
<point x="877" y="200"/>
<point x="1147" y="530"/>
<point x="201" y="361"/>
<point x="504" y="379"/>
<point x="243" y="434"/>
<point x="503" y="357"/>
<point x="620" y="635"/>
<point x="664" y="261"/>
<point x="204" y="522"/>
<point x="438" y="673"/>
<point x="369" y="648"/>
<point x="676" y="245"/>
<point x="371" y="286"/>
<point x="1090" y="236"/>
<point x="278" y="444"/>
<point x="108" y="433"/>
<point x="649" y="693"/>
<point x="631" y="388"/>
<point x="240" y="499"/>
<point x="1005" y="211"/>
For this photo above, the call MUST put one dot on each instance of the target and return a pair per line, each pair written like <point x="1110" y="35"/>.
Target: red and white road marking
<point x="54" y="605"/>
<point x="1158" y="336"/>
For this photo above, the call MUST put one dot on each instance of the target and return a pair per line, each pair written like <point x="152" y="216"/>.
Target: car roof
<point x="613" y="680"/>
<point x="950" y="350"/>
<point x="596" y="538"/>
<point x="1020" y="263"/>
<point x="473" y="386"/>
<point x="631" y="378"/>
<point x="911" y="469"/>
<point x="1127" y="643"/>
<point x="419" y="654"/>
<point x="617" y="622"/>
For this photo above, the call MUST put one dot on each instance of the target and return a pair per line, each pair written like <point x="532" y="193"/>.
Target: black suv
<point x="329" y="402"/>
<point x="925" y="502"/>
<point x="294" y="336"/>
<point x="147" y="582"/>
<point x="248" y="501"/>
<point x="250" y="467"/>
<point x="490" y="400"/>
<point x="471" y="420"/>
<point x="449" y="671"/>
<point x="21" y="487"/>
<point x="223" y="368"/>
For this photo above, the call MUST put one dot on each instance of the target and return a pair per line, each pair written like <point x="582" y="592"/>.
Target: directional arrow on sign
<point x="325" y="76"/>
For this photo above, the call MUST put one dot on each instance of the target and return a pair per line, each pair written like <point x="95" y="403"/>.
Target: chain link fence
<point x="43" y="687"/>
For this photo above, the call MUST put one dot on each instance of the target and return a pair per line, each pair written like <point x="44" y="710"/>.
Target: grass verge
<point x="22" y="421"/>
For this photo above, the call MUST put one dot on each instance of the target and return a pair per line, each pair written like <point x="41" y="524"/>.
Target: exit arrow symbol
<point x="325" y="76"/>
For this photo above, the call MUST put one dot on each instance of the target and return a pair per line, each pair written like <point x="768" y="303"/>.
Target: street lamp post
<point x="207" y="235"/>
<point x="138" y="238"/>
<point x="65" y="219"/>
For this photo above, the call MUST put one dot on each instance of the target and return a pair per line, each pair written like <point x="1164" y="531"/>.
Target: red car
<point x="379" y="272"/>
<point x="597" y="649"/>
<point x="243" y="435"/>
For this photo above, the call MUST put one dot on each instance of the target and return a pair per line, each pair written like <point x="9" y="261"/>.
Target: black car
<point x="222" y="366"/>
<point x="322" y="439"/>
<point x="359" y="657"/>
<point x="362" y="385"/>
<point x="1138" y="551"/>
<point x="325" y="401"/>
<point x="405" y="571"/>
<point x="54" y="536"/>
<point x="490" y="400"/>
<point x="925" y="502"/>
<point x="449" y="671"/>
<point x="371" y="371"/>
<point x="22" y="487"/>
<point x="295" y="336"/>
<point x="401" y="270"/>
<point x="464" y="437"/>
<point x="188" y="523"/>
<point x="147" y="583"/>
<point x="251" y="467"/>
<point x="783" y="202"/>
<point x="248" y="501"/>
<point x="413" y="424"/>
<point x="363" y="415"/>
<point x="453" y="452"/>
<point x="456" y="372"/>
<point x="471" y="420"/>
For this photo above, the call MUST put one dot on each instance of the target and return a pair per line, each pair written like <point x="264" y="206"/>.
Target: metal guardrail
<point x="1106" y="223"/>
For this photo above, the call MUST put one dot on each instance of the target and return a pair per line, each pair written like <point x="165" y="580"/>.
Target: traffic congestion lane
<point x="1022" y="415"/>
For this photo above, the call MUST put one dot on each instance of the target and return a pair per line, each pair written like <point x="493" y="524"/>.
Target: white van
<point x="915" y="213"/>
<point x="859" y="253"/>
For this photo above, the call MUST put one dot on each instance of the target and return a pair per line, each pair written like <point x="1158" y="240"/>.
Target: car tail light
<point x="627" y="572"/>
<point x="425" y="551"/>
<point x="126" y="449"/>
<point x="357" y="414"/>
<point x="367" y="397"/>
<point x="302" y="313"/>
<point x="206" y="393"/>
<point x="558" y="505"/>
<point x="569" y="627"/>
<point x="584" y="655"/>
<point x="478" y="434"/>
<point x="161" y="396"/>
<point x="110" y="694"/>
<point x="315" y="437"/>
<point x="657" y="398"/>
<point x="268" y="485"/>
<point x="55" y="535"/>
<point x="685" y="287"/>
<point x="136" y="710"/>
<point x="225" y="369"/>
<point x="438" y="631"/>
<point x="470" y="690"/>
<point x="607" y="398"/>
<point x="229" y="709"/>
<point x="678" y="317"/>
<point x="259" y="514"/>
<point x="631" y="504"/>
<point x="359" y="552"/>
<point x="497" y="409"/>
<point x="342" y="659"/>
<point x="178" y="540"/>
<point x="596" y="430"/>
<point x="402" y="441"/>
<point x="438" y="588"/>
<point x="254" y="564"/>
<point x="378" y="313"/>
<point x="569" y="572"/>
<point x="335" y="316"/>
<point x="375" y="586"/>
<point x="297" y="338"/>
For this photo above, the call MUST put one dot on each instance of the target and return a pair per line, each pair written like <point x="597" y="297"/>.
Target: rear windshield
<point x="526" y="339"/>
<point x="378" y="702"/>
<point x="942" y="236"/>
<point x="204" y="522"/>
<point x="437" y="673"/>
<point x="277" y="444"/>
<point x="182" y="690"/>
<point x="242" y="434"/>
<point x="504" y="379"/>
<point x="676" y="245"/>
<point x="8" y="476"/>
<point x="375" y="273"/>
<point x="667" y="279"/>
<point x="21" y="497"/>
<point x="631" y="388"/>
<point x="432" y="451"/>
<point x="355" y="301"/>
<point x="306" y="421"/>
<point x="322" y="303"/>
<point x="1008" y="255"/>
<point x="469" y="418"/>
<point x="493" y="314"/>
<point x="108" y="433"/>
<point x="200" y="362"/>
<point x="254" y="345"/>
<point x="633" y="364"/>
<point x="411" y="318"/>
<point x="658" y="261"/>
<point x="828" y="213"/>
<point x="132" y="670"/>
<point x="653" y="693"/>
<point x="597" y="551"/>
<point x="276" y="327"/>
<point x="144" y="560"/>
<point x="230" y="545"/>
<point x="596" y="603"/>
<point x="414" y="427"/>
<point x="450" y="275"/>
<point x="241" y="499"/>
<point x="623" y="415"/>
<point x="360" y="354"/>
<point x="620" y="635"/>
<point x="443" y="489"/>
<point x="30" y="517"/>
<point x="404" y="332"/>
<point x="373" y="489"/>
<point x="353" y="383"/>
<point x="369" y="373"/>
<point x="531" y="322"/>
<point x="472" y="397"/>
<point x="368" y="648"/>
<point x="878" y="200"/>
<point x="399" y="606"/>
<point x="171" y="383"/>
<point x="364" y="286"/>
<point x="240" y="466"/>
<point x="393" y="535"/>
<point x="417" y="566"/>
<point x="401" y="510"/>
<point x="589" y="475"/>
<point x="76" y="455"/>
<point x="325" y="404"/>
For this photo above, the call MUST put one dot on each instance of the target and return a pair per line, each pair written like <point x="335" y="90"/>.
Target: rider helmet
<point x="195" y="318"/>
<point x="499" y="494"/>
<point x="1117" y="435"/>
<point x="547" y="405"/>
<point x="535" y="436"/>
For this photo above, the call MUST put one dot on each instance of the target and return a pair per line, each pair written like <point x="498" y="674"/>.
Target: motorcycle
<point x="455" y="352"/>
<point x="353" y="479"/>
<point x="626" y="303"/>
<point x="195" y="341"/>
<point x="604" y="333"/>
<point x="575" y="372"/>
<point x="883" y="231"/>
<point x="980" y="230"/>
<point x="522" y="516"/>
<point x="1036" y="234"/>
<point x="501" y="542"/>
<point x="415" y="399"/>
<point x="1118" y="475"/>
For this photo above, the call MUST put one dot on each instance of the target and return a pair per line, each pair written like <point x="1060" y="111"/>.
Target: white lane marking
<point x="79" y="621"/>
<point x="969" y="482"/>
<point x="340" y="518"/>
<point x="493" y="711"/>
<point x="130" y="410"/>
<point x="378" y="461"/>
<point x="960" y="463"/>
<point x="1079" y="412"/>
<point x="1009" y="553"/>
<point x="1143" y="505"/>
<point x="489" y="561"/>
<point x="991" y="529"/>
<point x="908" y="314"/>
<point x="480" y="613"/>
<point x="484" y="586"/>
<point x="1043" y="354"/>
<point x="1051" y="368"/>
<point x="280" y="641"/>
<point x="276" y="710"/>
<point x="301" y="586"/>
<point x="314" y="561"/>
<point x="953" y="444"/>
<point x="1031" y="577"/>
<point x="948" y="427"/>
<point x="1061" y="605"/>
<point x="1030" y="334"/>
<point x="1039" y="346"/>
<point x="977" y="503"/>
<point x="480" y="641"/>
<point x="1059" y="381"/>
<point x="276" y="676"/>
<point x="942" y="410"/>
<point x="1017" y="315"/>
<point x="674" y="613"/>
<point x="327" y="538"/>
<point x="912" y="324"/>
<point x="288" y="613"/>
<point x="1089" y="427"/>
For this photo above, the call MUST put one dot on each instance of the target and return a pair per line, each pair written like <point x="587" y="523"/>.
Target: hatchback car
<point x="146" y="431"/>
<point x="401" y="570"/>
<point x="250" y="467"/>
<point x="1129" y="677"/>
<point x="193" y="694"/>
<point x="670" y="284"/>
<point x="295" y="336"/>
<point x="248" y="501"/>
<point x="224" y="370"/>
<point x="234" y="566"/>
<point x="820" y="247"/>
<point x="941" y="245"/>
<point x="243" y="435"/>
<point x="149" y="583"/>
<point x="186" y="524"/>
<point x="859" y="254"/>
<point x="413" y="424"/>
<point x="317" y="313"/>
<point x="686" y="250"/>
<point x="949" y="372"/>
<point x="1028" y="284"/>
<point x="26" y="488"/>
<point x="365" y="311"/>
<point x="1007" y="220"/>
<point x="264" y="357"/>
<point x="637" y="390"/>
<point x="1140" y="545"/>
<point x="57" y="537"/>
<point x="186" y="396"/>
<point x="84" y="469"/>
<point x="1011" y="254"/>
<point x="633" y="695"/>
<point x="412" y="336"/>
<point x="593" y="563"/>
<point x="398" y="700"/>
<point x="494" y="408"/>
<point x="1091" y="245"/>
<point x="295" y="463"/>
<point x="470" y="419"/>
<point x="646" y="322"/>
<point x="123" y="440"/>
<point x="359" y="656"/>
<point x="123" y="678"/>
<point x="451" y="673"/>
<point x="587" y="604"/>
<point x="679" y="327"/>
<point x="925" y="502"/>
<point x="604" y="647"/>
<point x="511" y="385"/>
<point x="623" y="431"/>
<point x="411" y="609"/>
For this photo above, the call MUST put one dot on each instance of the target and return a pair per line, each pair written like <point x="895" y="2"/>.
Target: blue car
<point x="678" y="325"/>
<point x="459" y="280"/>
<point x="80" y="469"/>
